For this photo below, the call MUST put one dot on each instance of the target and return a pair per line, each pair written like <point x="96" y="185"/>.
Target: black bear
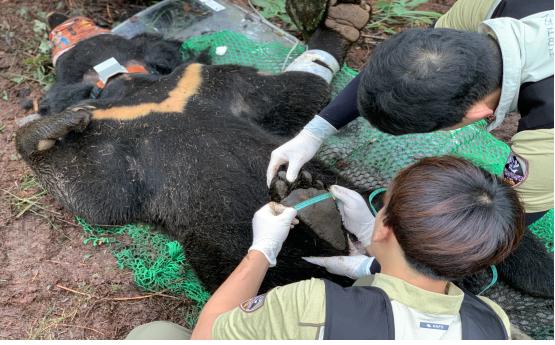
<point x="184" y="146"/>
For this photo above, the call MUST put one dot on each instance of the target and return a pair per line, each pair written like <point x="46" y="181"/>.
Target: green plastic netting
<point x="543" y="228"/>
<point x="359" y="152"/>
<point x="158" y="263"/>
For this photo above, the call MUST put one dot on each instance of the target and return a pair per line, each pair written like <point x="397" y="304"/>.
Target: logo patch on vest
<point x="253" y="304"/>
<point x="438" y="326"/>
<point x="515" y="171"/>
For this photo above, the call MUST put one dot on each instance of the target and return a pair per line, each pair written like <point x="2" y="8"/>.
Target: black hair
<point x="422" y="80"/>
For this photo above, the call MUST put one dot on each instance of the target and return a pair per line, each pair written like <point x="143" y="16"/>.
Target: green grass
<point x="28" y="197"/>
<point x="61" y="316"/>
<point x="40" y="64"/>
<point x="44" y="328"/>
<point x="35" y="53"/>
<point x="274" y="9"/>
<point x="388" y="14"/>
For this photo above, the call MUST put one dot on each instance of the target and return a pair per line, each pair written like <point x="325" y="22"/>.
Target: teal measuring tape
<point x="493" y="279"/>
<point x="372" y="196"/>
<point x="312" y="201"/>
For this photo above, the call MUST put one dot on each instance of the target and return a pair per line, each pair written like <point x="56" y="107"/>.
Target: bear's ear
<point x="323" y="217"/>
<point x="54" y="19"/>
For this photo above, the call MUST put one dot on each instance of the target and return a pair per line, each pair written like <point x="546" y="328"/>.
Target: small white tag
<point x="221" y="50"/>
<point x="213" y="5"/>
<point x="436" y="326"/>
<point x="109" y="68"/>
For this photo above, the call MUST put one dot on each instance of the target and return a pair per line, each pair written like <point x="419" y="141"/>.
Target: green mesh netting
<point x="359" y="152"/>
<point x="158" y="263"/>
<point x="267" y="57"/>
<point x="543" y="228"/>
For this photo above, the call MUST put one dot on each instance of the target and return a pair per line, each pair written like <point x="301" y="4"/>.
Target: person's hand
<point x="300" y="149"/>
<point x="296" y="152"/>
<point x="356" y="216"/>
<point x="270" y="227"/>
<point x="354" y="267"/>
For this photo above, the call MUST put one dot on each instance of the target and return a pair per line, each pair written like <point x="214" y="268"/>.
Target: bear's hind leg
<point x="529" y="268"/>
<point x="42" y="134"/>
<point x="303" y="89"/>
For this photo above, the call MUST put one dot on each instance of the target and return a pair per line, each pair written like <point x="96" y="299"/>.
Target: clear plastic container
<point x="181" y="19"/>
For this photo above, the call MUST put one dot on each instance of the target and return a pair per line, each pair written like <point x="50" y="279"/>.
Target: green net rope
<point x="158" y="263"/>
<point x="359" y="152"/>
<point x="543" y="228"/>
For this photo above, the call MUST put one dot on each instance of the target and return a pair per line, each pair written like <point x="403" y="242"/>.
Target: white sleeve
<point x="527" y="48"/>
<point x="533" y="38"/>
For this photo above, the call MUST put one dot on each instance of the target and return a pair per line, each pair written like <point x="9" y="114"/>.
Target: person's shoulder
<point x="280" y="313"/>
<point x="312" y="283"/>
<point x="466" y="15"/>
<point x="307" y="294"/>
<point x="499" y="311"/>
<point x="309" y="297"/>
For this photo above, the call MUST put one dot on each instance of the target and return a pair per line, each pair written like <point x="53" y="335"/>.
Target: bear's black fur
<point x="529" y="268"/>
<point x="198" y="172"/>
<point x="75" y="77"/>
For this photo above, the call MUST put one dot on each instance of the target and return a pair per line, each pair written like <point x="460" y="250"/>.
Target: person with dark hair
<point x="423" y="80"/>
<point x="458" y="219"/>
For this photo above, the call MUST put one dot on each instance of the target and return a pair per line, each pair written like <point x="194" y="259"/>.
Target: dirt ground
<point x="52" y="286"/>
<point x="42" y="250"/>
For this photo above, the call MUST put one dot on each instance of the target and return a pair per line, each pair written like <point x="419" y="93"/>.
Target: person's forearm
<point x="242" y="284"/>
<point x="343" y="108"/>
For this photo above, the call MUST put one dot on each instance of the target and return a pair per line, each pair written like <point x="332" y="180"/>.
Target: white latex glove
<point x="270" y="227"/>
<point x="356" y="216"/>
<point x="354" y="267"/>
<point x="296" y="152"/>
<point x="300" y="149"/>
